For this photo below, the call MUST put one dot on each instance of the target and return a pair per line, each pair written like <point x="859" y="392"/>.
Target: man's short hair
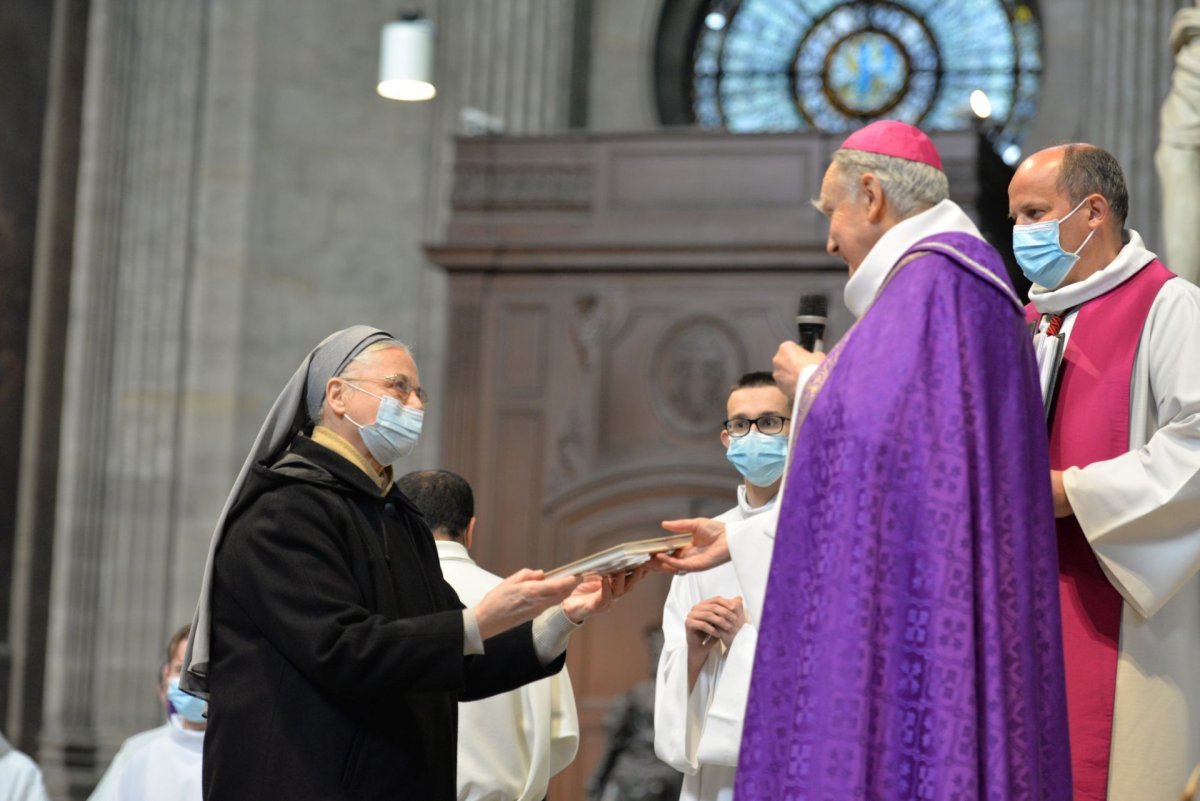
<point x="910" y="186"/>
<point x="1090" y="170"/>
<point x="758" y="378"/>
<point x="173" y="643"/>
<point x="444" y="498"/>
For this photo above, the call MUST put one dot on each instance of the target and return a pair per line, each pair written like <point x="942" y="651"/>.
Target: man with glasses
<point x="331" y="650"/>
<point x="708" y="637"/>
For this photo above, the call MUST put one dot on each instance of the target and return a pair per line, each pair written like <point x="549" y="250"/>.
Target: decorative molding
<point x="695" y="364"/>
<point x="527" y="201"/>
<point x="514" y="187"/>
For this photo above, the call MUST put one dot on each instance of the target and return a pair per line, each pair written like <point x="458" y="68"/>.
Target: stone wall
<point x="242" y="192"/>
<point x="1107" y="70"/>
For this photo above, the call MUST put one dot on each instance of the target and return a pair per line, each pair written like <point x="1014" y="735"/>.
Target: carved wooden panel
<point x="611" y="290"/>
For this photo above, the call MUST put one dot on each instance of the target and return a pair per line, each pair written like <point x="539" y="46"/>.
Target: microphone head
<point x="813" y="306"/>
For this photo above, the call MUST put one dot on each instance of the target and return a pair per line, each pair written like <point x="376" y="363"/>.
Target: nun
<point x="330" y="649"/>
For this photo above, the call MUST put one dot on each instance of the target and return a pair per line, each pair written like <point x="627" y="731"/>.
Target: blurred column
<point x="125" y="356"/>
<point x="1178" y="156"/>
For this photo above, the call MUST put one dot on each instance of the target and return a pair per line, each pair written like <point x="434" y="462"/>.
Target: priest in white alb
<point x="708" y="635"/>
<point x="1118" y="343"/>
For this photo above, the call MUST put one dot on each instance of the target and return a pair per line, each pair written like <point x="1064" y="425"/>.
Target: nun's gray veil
<point x="297" y="405"/>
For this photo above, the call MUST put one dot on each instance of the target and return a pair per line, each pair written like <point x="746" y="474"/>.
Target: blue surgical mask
<point x="189" y="707"/>
<point x="1039" y="251"/>
<point x="395" y="431"/>
<point x="759" y="457"/>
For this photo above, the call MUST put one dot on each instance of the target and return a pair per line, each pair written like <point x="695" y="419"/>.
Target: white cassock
<point x="1141" y="515"/>
<point x="132" y="745"/>
<point x="699" y="733"/>
<point x="165" y="767"/>
<point x="20" y="777"/>
<point x="509" y="745"/>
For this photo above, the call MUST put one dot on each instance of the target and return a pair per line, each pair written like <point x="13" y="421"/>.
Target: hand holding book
<point x="707" y="548"/>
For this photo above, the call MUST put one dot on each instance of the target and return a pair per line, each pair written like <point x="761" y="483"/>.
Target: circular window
<point x="793" y="65"/>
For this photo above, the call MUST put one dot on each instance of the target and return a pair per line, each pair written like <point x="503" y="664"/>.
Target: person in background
<point x="20" y="777"/>
<point x="134" y="742"/>
<point x="1118" y="340"/>
<point x="628" y="769"/>
<point x="166" y="767"/>
<point x="512" y="744"/>
<point x="709" y="639"/>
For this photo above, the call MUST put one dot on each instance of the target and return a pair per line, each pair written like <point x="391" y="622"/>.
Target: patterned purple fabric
<point x="910" y="644"/>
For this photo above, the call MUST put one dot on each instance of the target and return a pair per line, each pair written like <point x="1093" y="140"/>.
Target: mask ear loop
<point x="1087" y="239"/>
<point x="353" y="386"/>
<point x="1067" y="216"/>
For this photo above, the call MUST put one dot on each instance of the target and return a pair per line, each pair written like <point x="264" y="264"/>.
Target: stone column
<point x="515" y="61"/>
<point x="242" y="192"/>
<point x="126" y="356"/>
<point x="1107" y="68"/>
<point x="1178" y="156"/>
<point x="48" y="305"/>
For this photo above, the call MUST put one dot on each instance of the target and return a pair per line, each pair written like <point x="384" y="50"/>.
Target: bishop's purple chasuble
<point x="910" y="645"/>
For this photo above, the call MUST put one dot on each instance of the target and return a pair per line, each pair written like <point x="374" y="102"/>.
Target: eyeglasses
<point x="401" y="384"/>
<point x="767" y="424"/>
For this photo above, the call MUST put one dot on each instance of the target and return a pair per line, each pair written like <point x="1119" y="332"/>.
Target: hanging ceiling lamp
<point x="406" y="59"/>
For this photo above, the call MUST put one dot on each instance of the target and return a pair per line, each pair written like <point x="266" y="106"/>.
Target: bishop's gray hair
<point x="910" y="186"/>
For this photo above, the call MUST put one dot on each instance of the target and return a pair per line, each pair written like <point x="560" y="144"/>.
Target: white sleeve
<point x="106" y="789"/>
<point x="751" y="543"/>
<point x="1141" y="510"/>
<point x="37" y="789"/>
<point x="802" y="379"/>
<point x="723" y="724"/>
<point x="678" y="714"/>
<point x="564" y="722"/>
<point x="21" y="779"/>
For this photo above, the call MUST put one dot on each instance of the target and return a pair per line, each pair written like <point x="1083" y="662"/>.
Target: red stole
<point x="1091" y="424"/>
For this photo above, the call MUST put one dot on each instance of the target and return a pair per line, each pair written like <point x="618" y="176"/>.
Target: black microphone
<point x="810" y="321"/>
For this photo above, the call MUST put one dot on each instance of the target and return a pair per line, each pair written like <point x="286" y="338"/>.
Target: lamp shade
<point x="406" y="60"/>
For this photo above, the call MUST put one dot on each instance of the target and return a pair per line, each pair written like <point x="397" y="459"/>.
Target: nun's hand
<point x="598" y="593"/>
<point x="521" y="597"/>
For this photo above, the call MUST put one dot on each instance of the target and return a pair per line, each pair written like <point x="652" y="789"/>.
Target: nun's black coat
<point x="337" y="648"/>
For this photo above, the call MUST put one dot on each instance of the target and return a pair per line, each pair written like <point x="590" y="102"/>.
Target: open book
<point x="625" y="556"/>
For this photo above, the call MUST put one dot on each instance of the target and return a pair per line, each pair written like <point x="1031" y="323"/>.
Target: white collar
<point x="1132" y="258"/>
<point x="946" y="217"/>
<point x="745" y="507"/>
<point x="190" y="739"/>
<point x="449" y="549"/>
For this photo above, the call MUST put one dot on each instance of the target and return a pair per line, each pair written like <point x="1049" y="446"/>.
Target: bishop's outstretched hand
<point x="708" y="548"/>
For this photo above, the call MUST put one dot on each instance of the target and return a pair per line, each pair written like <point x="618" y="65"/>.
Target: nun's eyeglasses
<point x="402" y="385"/>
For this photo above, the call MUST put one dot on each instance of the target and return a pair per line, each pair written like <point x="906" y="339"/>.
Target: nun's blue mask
<point x="395" y="431"/>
